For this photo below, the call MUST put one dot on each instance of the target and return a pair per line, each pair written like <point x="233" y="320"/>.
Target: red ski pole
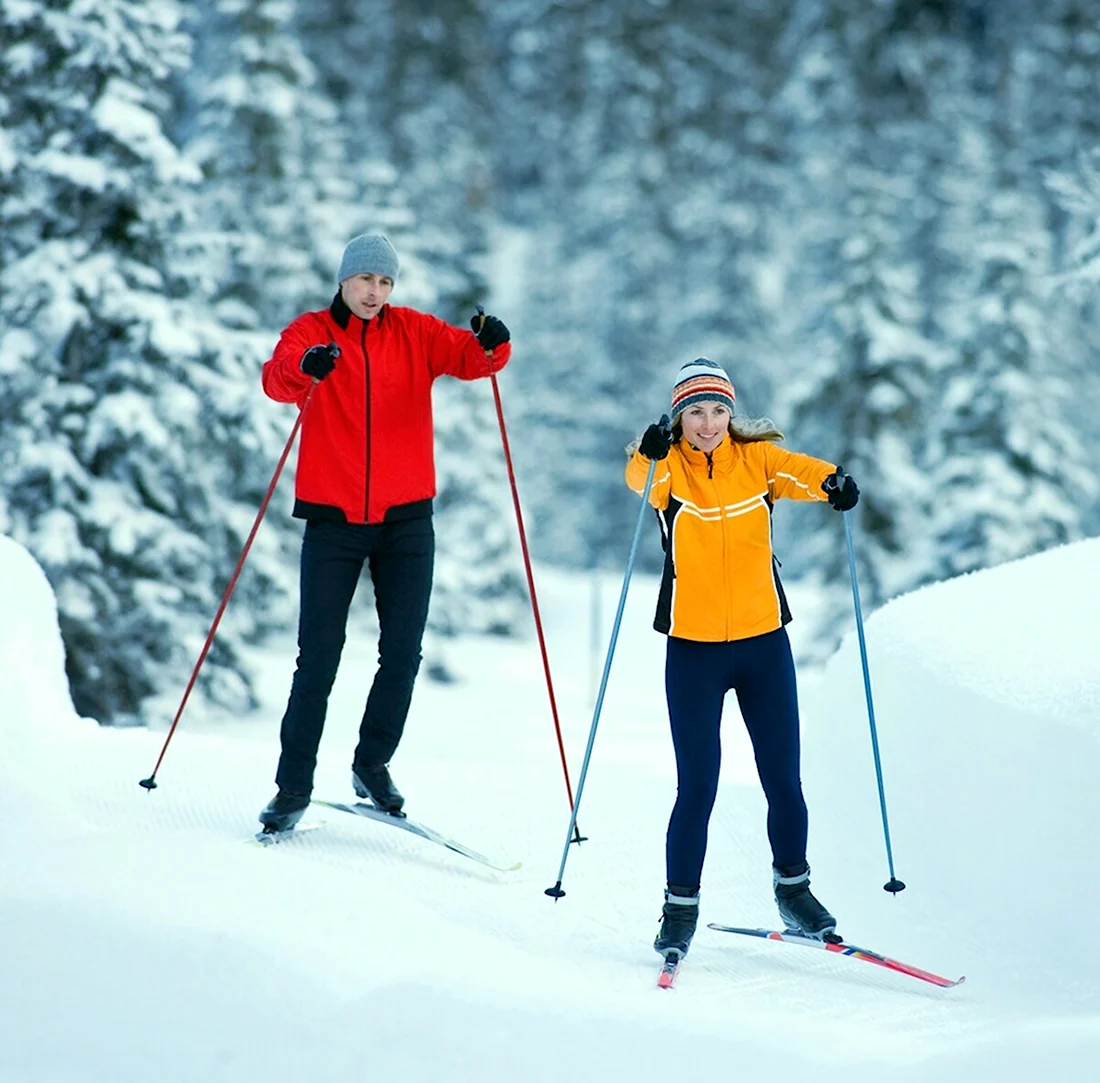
<point x="150" y="783"/>
<point x="531" y="584"/>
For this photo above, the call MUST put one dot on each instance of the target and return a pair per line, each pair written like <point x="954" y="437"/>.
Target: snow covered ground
<point x="142" y="938"/>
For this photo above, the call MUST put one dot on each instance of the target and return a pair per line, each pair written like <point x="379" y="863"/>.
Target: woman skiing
<point x="723" y="609"/>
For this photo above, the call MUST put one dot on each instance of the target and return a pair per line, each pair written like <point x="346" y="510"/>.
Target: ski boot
<point x="375" y="784"/>
<point x="283" y="811"/>
<point x="678" y="918"/>
<point x="801" y="912"/>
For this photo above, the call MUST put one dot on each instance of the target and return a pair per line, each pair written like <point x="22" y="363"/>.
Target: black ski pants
<point x="399" y="556"/>
<point x="697" y="676"/>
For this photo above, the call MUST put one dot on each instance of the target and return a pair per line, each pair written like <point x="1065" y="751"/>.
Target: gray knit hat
<point x="369" y="253"/>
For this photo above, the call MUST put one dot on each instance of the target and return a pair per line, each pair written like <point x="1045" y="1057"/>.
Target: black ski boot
<point x="283" y="811"/>
<point x="678" y="918"/>
<point x="797" y="907"/>
<point x="375" y="783"/>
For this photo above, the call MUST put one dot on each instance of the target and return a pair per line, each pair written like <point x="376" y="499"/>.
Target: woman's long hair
<point x="742" y="430"/>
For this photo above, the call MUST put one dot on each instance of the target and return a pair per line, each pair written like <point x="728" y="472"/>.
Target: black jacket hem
<point x="329" y="513"/>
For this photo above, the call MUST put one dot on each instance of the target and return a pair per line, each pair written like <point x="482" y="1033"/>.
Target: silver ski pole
<point x="893" y="885"/>
<point x="556" y="891"/>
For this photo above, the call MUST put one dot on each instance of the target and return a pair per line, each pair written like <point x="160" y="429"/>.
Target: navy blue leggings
<point x="697" y="676"/>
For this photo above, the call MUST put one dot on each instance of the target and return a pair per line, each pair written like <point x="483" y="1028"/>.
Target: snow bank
<point x="36" y="690"/>
<point x="986" y="692"/>
<point x="1023" y="635"/>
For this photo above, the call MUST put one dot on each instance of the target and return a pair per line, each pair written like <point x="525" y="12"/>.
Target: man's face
<point x="366" y="294"/>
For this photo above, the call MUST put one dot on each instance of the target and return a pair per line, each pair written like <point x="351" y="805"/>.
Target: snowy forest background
<point x="882" y="216"/>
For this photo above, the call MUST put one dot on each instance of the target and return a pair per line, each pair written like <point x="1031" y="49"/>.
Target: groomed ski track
<point x="486" y="772"/>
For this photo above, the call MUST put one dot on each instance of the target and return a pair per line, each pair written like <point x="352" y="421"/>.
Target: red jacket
<point x="367" y="441"/>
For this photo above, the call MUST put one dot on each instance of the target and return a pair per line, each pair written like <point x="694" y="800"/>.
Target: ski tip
<point x="935" y="979"/>
<point x="669" y="968"/>
<point x="270" y="838"/>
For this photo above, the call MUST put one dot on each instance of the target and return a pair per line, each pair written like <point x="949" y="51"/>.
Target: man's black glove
<point x="656" y="440"/>
<point x="319" y="361"/>
<point x="842" y="494"/>
<point x="490" y="331"/>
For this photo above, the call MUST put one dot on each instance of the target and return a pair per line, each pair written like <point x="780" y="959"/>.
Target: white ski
<point x="369" y="812"/>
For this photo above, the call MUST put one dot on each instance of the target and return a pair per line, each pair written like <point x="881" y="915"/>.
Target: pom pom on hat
<point x="701" y="380"/>
<point x="369" y="253"/>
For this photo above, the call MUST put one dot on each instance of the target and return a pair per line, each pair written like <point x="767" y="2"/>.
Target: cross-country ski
<point x="841" y="947"/>
<point x="369" y="812"/>
<point x="670" y="967"/>
<point x="273" y="838"/>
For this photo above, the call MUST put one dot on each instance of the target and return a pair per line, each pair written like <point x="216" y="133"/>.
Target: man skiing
<point x="365" y="483"/>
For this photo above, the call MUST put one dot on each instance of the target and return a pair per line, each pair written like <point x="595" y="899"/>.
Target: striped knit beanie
<point x="701" y="380"/>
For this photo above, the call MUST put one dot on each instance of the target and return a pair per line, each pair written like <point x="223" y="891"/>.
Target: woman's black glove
<point x="656" y="440"/>
<point x="319" y="361"/>
<point x="841" y="491"/>
<point x="490" y="331"/>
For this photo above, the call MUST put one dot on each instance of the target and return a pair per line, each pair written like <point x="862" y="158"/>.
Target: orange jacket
<point x="720" y="582"/>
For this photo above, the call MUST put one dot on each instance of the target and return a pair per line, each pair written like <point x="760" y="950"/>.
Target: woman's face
<point x="705" y="424"/>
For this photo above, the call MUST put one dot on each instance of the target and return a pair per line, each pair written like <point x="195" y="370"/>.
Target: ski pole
<point x="150" y="783"/>
<point x="556" y="891"/>
<point x="893" y="885"/>
<point x="530" y="579"/>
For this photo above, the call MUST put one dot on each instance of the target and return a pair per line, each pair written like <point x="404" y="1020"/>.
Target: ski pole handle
<point x="480" y="324"/>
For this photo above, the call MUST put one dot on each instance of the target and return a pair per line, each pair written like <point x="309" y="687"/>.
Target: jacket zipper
<point x="722" y="525"/>
<point x="366" y="471"/>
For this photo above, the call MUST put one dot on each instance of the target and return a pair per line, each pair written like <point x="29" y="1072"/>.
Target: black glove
<point x="656" y="440"/>
<point x="319" y="361"/>
<point x="842" y="495"/>
<point x="490" y="331"/>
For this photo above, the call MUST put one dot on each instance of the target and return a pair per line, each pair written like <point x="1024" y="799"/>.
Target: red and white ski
<point x="840" y="947"/>
<point x="669" y="969"/>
